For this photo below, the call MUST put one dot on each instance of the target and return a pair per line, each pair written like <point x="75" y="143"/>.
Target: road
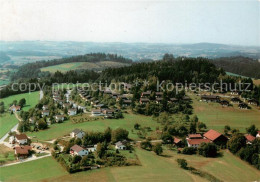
<point x="26" y="160"/>
<point x="41" y="95"/>
<point x="6" y="135"/>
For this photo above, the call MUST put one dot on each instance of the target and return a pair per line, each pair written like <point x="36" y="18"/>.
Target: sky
<point x="177" y="21"/>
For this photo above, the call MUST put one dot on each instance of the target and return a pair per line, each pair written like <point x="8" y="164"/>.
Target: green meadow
<point x="216" y="117"/>
<point x="7" y="121"/>
<point x="59" y="130"/>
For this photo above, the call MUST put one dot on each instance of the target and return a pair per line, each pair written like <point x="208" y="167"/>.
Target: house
<point x="235" y="100"/>
<point x="59" y="118"/>
<point x="253" y="102"/>
<point x="32" y="120"/>
<point x="66" y="105"/>
<point x="45" y="113"/>
<point x="186" y="98"/>
<point x="72" y="112"/>
<point x="15" y="108"/>
<point x="11" y="139"/>
<point x="158" y="100"/>
<point x="83" y="108"/>
<point x="146" y="94"/>
<point x="194" y="136"/>
<point x="22" y="152"/>
<point x="120" y="146"/>
<point x="59" y="101"/>
<point x="158" y="94"/>
<point x="177" y="141"/>
<point x="78" y="150"/>
<point x="234" y="93"/>
<point x="21" y="139"/>
<point x="77" y="133"/>
<point x="127" y="103"/>
<point x="215" y="137"/>
<point x="108" y="112"/>
<point x="45" y="107"/>
<point x="127" y="86"/>
<point x="108" y="92"/>
<point x="144" y="100"/>
<point x="249" y="139"/>
<point x="173" y="100"/>
<point x="210" y="98"/>
<point x="100" y="106"/>
<point x="115" y="95"/>
<point x="195" y="143"/>
<point x="97" y="112"/>
<point x="94" y="102"/>
<point x="92" y="148"/>
<point x="243" y="106"/>
<point x="258" y="134"/>
<point x="224" y="103"/>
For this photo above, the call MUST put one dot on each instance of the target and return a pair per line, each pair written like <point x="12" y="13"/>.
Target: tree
<point x="192" y="128"/>
<point x="157" y="148"/>
<point x="2" y="109"/>
<point x="252" y="130"/>
<point x="42" y="124"/>
<point x="189" y="150"/>
<point x="76" y="159"/>
<point x="208" y="150"/>
<point x="195" y="119"/>
<point x="182" y="163"/>
<point x="167" y="138"/>
<point x="227" y="129"/>
<point x="201" y="126"/>
<point x="119" y="134"/>
<point x="107" y="134"/>
<point x="101" y="150"/>
<point x="237" y="142"/>
<point x="22" y="102"/>
<point x="85" y="161"/>
<point x="146" y="145"/>
<point x="137" y="126"/>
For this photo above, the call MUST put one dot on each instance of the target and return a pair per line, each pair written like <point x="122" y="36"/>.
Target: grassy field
<point x="32" y="171"/>
<point x="31" y="100"/>
<point x="226" y="168"/>
<point x="256" y="82"/>
<point x="216" y="117"/>
<point x="58" y="130"/>
<point x="83" y="65"/>
<point x="4" y="150"/>
<point x="6" y="123"/>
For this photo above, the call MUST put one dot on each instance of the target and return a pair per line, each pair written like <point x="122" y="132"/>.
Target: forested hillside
<point x="32" y="70"/>
<point x="239" y="65"/>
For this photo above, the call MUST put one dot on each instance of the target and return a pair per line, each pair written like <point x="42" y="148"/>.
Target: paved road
<point x="41" y="95"/>
<point x="13" y="129"/>
<point x="26" y="160"/>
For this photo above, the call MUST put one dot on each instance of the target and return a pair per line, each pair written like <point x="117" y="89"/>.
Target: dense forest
<point x="239" y="65"/>
<point x="32" y="70"/>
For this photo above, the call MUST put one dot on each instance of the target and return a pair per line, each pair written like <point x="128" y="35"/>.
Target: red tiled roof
<point x="250" y="138"/>
<point x="176" y="140"/>
<point x="24" y="150"/>
<point x="76" y="148"/>
<point x="197" y="141"/>
<point x="21" y="136"/>
<point x="212" y="135"/>
<point x="195" y="135"/>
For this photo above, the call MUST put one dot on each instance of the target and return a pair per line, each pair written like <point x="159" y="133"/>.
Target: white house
<point x="11" y="139"/>
<point x="21" y="139"/>
<point x="258" y="134"/>
<point x="72" y="112"/>
<point x="59" y="118"/>
<point x="119" y="145"/>
<point x="45" y="113"/>
<point x="77" y="133"/>
<point x="92" y="149"/>
<point x="44" y="107"/>
<point x="78" y="150"/>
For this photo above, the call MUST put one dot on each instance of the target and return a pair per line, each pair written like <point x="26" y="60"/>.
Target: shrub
<point x="189" y="150"/>
<point x="208" y="150"/>
<point x="182" y="163"/>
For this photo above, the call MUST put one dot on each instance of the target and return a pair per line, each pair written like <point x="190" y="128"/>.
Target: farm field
<point x="48" y="169"/>
<point x="256" y="82"/>
<point x="31" y="100"/>
<point x="226" y="168"/>
<point x="7" y="121"/>
<point x="83" y="65"/>
<point x="4" y="150"/>
<point x="58" y="130"/>
<point x="32" y="171"/>
<point x="216" y="117"/>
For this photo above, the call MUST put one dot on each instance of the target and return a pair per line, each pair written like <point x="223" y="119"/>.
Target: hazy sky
<point x="193" y="21"/>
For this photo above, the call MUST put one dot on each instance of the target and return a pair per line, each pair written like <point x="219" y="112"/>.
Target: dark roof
<point x="209" y="97"/>
<point x="76" y="131"/>
<point x="146" y="93"/>
<point x="144" y="100"/>
<point x="21" y="136"/>
<point x="158" y="93"/>
<point x="127" y="101"/>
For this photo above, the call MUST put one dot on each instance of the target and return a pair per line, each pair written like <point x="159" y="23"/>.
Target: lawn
<point x="6" y="123"/>
<point x="32" y="171"/>
<point x="58" y="130"/>
<point x="216" y="117"/>
<point x="83" y="65"/>
<point x="4" y="150"/>
<point x="31" y="99"/>
<point x="226" y="168"/>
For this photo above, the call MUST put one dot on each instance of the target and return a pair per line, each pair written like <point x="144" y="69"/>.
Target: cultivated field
<point x="216" y="117"/>
<point x="59" y="130"/>
<point x="83" y="65"/>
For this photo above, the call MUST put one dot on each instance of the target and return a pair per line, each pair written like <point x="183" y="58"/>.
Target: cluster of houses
<point x="145" y="98"/>
<point x="211" y="136"/>
<point x="14" y="108"/>
<point x="233" y="100"/>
